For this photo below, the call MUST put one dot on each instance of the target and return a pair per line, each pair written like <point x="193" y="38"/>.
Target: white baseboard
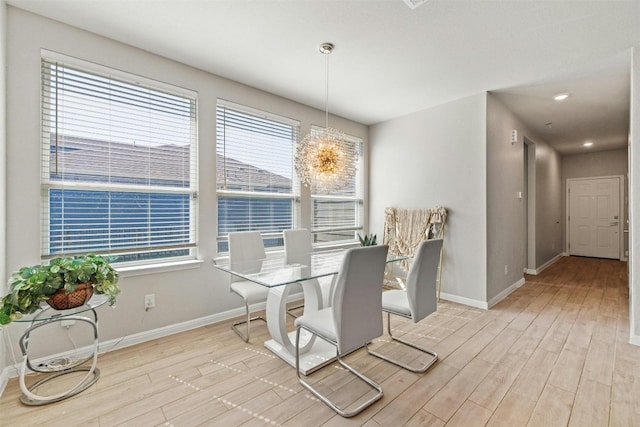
<point x="465" y="301"/>
<point x="634" y="339"/>
<point x="545" y="265"/>
<point x="502" y="295"/>
<point x="481" y="304"/>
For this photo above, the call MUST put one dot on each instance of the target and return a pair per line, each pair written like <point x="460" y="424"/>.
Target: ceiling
<point x="391" y="60"/>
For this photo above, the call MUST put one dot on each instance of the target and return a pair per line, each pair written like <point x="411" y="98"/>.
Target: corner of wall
<point x="3" y="174"/>
<point x="634" y="199"/>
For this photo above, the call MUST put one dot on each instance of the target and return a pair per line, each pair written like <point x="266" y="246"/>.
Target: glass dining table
<point x="279" y="274"/>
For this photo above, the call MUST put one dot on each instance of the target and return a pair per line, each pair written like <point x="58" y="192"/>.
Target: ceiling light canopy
<point x="324" y="159"/>
<point x="560" y="97"/>
<point x="588" y="144"/>
<point x="414" y="3"/>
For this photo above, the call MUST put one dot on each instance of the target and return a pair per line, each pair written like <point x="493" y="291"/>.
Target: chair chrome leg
<point x="341" y="411"/>
<point x="418" y="370"/>
<point x="235" y="325"/>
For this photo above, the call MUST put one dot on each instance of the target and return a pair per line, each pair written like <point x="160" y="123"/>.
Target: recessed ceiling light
<point x="561" y="97"/>
<point x="588" y="144"/>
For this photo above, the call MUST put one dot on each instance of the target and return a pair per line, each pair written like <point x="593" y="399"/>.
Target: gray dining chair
<point x="246" y="252"/>
<point x="353" y="319"/>
<point x="417" y="301"/>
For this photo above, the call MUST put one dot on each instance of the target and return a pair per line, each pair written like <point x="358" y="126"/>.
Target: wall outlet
<point x="149" y="302"/>
<point x="506" y="270"/>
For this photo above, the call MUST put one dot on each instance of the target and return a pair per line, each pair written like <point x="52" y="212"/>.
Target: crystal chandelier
<point x="325" y="160"/>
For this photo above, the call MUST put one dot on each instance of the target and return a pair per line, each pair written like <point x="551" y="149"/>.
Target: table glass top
<point x="276" y="270"/>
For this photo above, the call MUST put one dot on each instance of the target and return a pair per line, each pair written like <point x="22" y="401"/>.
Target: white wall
<point x="437" y="157"/>
<point x="181" y="296"/>
<point x="548" y="209"/>
<point x="634" y="199"/>
<point x="506" y="219"/>
<point x="600" y="163"/>
<point x="3" y="157"/>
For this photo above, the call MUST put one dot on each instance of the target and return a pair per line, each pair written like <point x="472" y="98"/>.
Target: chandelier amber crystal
<point x="325" y="160"/>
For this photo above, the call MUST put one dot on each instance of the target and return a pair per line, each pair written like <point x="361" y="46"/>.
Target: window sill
<point x="142" y="270"/>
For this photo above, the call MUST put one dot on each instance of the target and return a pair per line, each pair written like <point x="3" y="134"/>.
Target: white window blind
<point x="254" y="179"/>
<point x="339" y="215"/>
<point x="119" y="169"/>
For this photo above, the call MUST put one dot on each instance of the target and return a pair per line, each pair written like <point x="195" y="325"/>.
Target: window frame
<point x="294" y="196"/>
<point x="49" y="126"/>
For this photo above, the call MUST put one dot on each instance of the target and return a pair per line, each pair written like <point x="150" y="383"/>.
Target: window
<point x="254" y="179"/>
<point x="338" y="216"/>
<point x="119" y="171"/>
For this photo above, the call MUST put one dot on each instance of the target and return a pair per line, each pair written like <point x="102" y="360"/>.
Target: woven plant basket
<point x="64" y="301"/>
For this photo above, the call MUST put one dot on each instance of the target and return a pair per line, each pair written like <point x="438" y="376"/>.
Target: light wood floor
<point x="554" y="353"/>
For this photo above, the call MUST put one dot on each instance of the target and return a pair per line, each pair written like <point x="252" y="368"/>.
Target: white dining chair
<point x="353" y="319"/>
<point x="416" y="302"/>
<point x="297" y="250"/>
<point x="246" y="252"/>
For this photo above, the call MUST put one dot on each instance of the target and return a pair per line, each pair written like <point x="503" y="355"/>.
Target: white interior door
<point x="594" y="217"/>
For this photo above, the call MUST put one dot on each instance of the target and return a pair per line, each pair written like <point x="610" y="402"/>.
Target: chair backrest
<point x="422" y="279"/>
<point x="246" y="252"/>
<point x="357" y="298"/>
<point x="297" y="246"/>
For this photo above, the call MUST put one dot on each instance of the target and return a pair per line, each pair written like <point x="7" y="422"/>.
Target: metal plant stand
<point x="58" y="367"/>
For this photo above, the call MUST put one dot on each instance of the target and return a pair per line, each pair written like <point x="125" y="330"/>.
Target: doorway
<point x="594" y="225"/>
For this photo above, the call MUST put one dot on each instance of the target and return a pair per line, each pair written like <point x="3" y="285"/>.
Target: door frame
<point x="530" y="204"/>
<point x="621" y="212"/>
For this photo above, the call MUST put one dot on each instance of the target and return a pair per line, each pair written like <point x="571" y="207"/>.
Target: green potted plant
<point x="368" y="239"/>
<point x="63" y="283"/>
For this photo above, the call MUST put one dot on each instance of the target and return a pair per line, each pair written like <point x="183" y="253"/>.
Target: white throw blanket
<point x="405" y="228"/>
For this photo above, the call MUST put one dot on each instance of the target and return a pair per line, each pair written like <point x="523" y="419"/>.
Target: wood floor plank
<point x="424" y="419"/>
<point x="453" y="395"/>
<point x="528" y="341"/>
<point x="498" y="381"/>
<point x="625" y="399"/>
<point x="568" y="369"/>
<point x="148" y="419"/>
<point x="500" y="345"/>
<point x="534" y="374"/>
<point x="591" y="406"/>
<point x="598" y="365"/>
<point x="401" y="409"/>
<point x="470" y="415"/>
<point x="553" y="408"/>
<point x="469" y="350"/>
<point x="514" y="410"/>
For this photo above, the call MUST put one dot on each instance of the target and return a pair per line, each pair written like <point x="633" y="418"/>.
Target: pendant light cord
<point x="326" y="93"/>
